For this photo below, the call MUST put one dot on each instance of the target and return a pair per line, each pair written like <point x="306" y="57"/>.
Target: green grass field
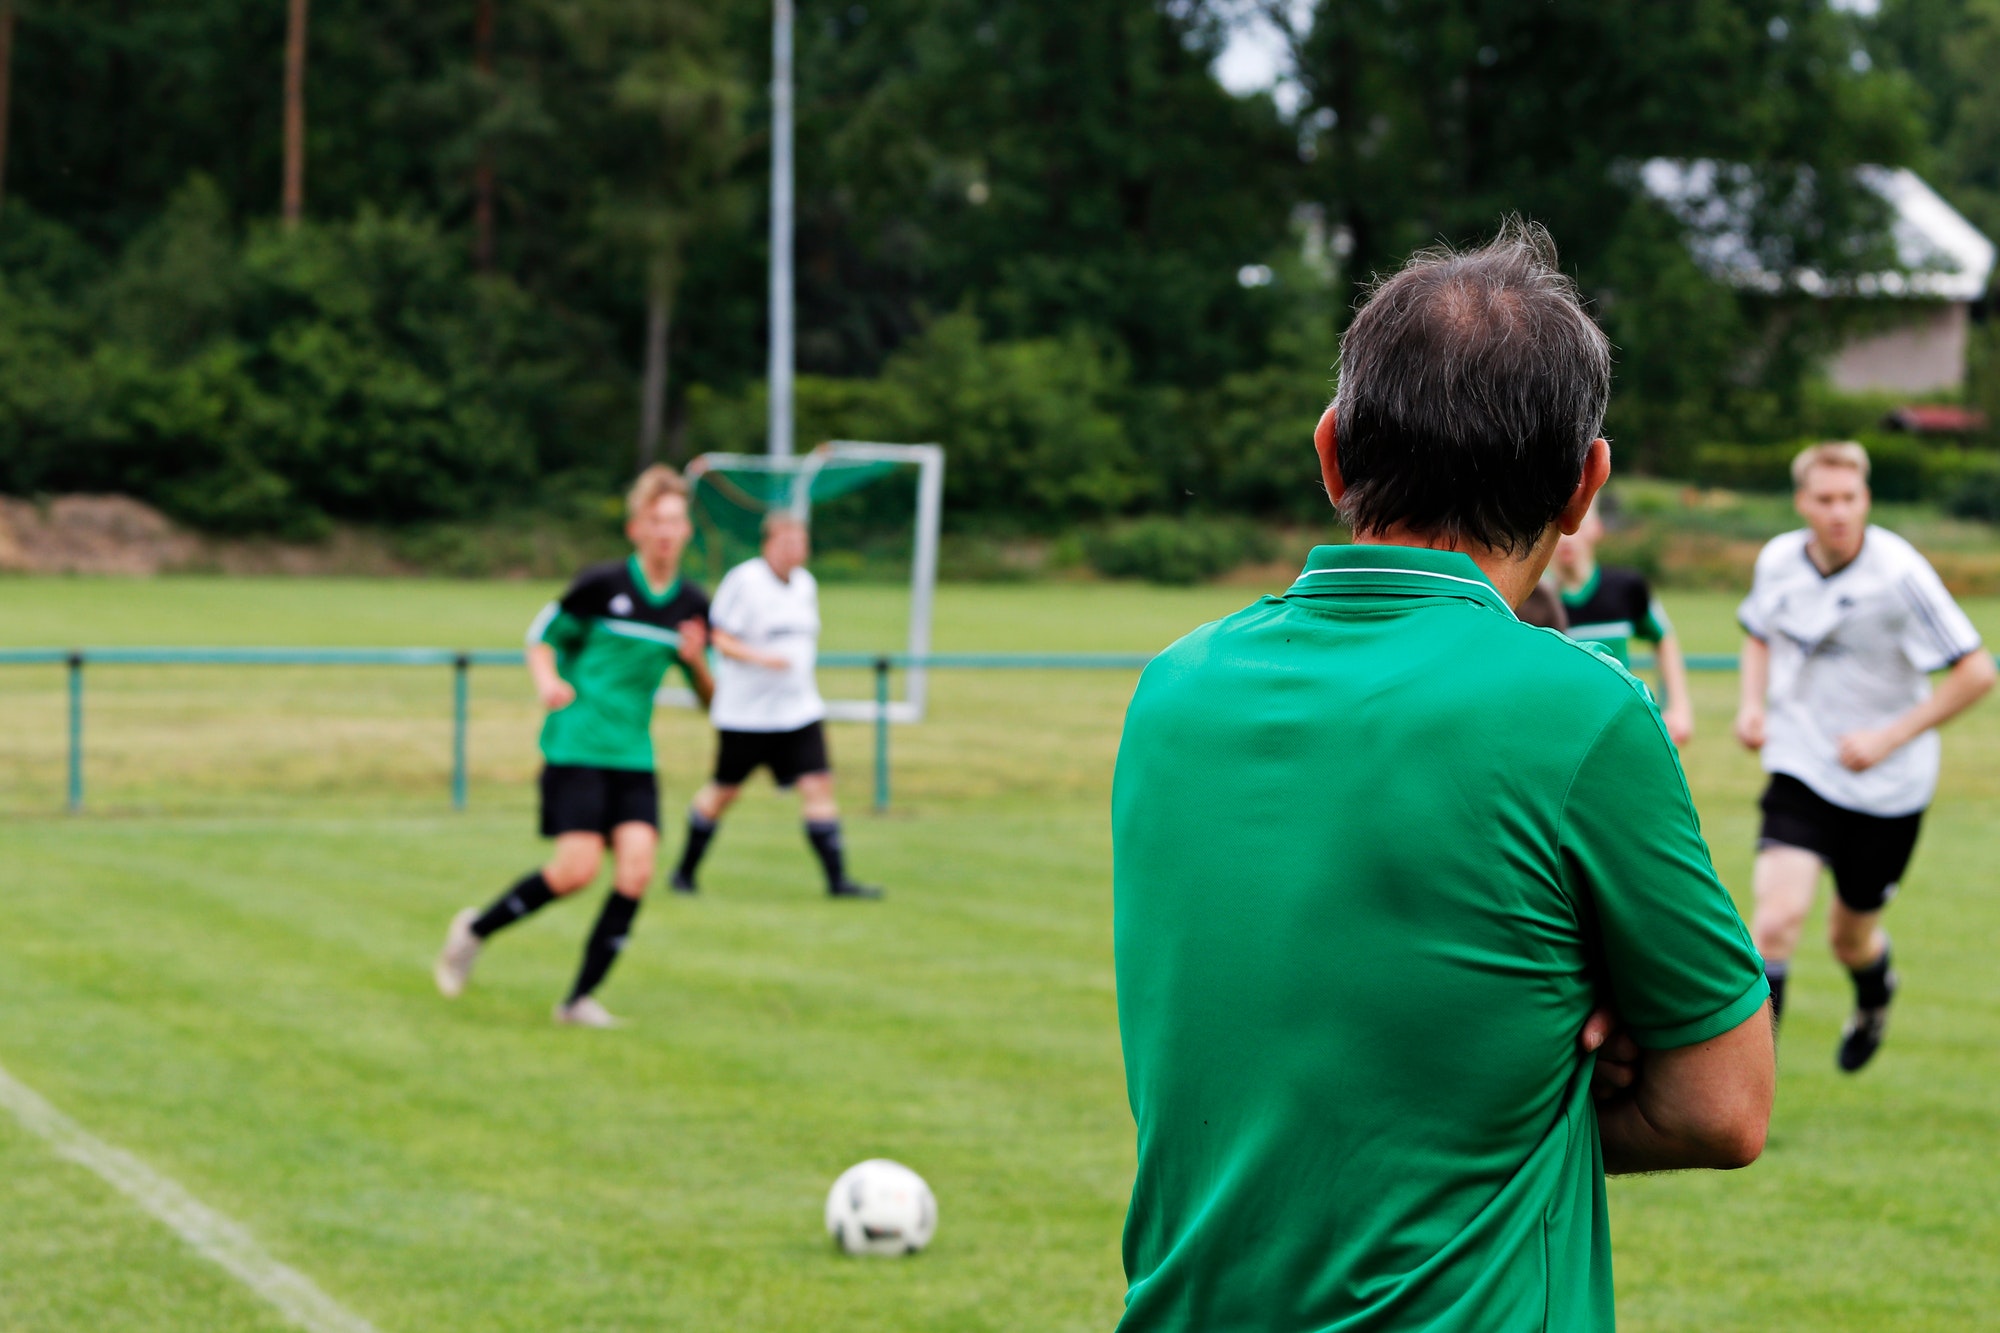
<point x="223" y="968"/>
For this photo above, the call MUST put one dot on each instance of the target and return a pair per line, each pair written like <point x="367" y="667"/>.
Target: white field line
<point x="212" y="1235"/>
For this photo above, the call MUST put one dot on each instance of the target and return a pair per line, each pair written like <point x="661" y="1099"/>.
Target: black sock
<point x="531" y="894"/>
<point x="824" y="835"/>
<point x="606" y="942"/>
<point x="1775" y="974"/>
<point x="700" y="830"/>
<point x="1871" y="983"/>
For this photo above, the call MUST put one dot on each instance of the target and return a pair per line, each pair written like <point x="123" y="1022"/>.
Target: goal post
<point x="729" y="495"/>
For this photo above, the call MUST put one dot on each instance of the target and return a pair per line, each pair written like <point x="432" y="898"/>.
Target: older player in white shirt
<point x="767" y="709"/>
<point x="1846" y="621"/>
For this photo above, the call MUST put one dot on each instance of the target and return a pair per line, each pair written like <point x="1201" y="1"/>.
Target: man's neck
<point x="659" y="574"/>
<point x="1578" y="579"/>
<point x="1514" y="576"/>
<point x="1829" y="564"/>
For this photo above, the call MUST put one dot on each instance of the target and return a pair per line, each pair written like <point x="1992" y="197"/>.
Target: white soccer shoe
<point x="586" y="1013"/>
<point x="461" y="950"/>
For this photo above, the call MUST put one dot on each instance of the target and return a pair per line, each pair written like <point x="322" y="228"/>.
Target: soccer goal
<point x="874" y="510"/>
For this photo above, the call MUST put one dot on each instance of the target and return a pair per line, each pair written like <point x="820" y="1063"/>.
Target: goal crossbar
<point x="928" y="459"/>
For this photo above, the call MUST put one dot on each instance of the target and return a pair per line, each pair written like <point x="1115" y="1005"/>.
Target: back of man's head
<point x="1471" y="386"/>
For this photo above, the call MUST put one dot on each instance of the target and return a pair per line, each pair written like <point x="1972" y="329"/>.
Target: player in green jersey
<point x="597" y="656"/>
<point x="1611" y="607"/>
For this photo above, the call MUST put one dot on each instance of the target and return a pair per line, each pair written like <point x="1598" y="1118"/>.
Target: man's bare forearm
<point x="1968" y="681"/>
<point x="1673" y="673"/>
<point x="542" y="666"/>
<point x="1705" y="1106"/>
<point x="703" y="682"/>
<point x="1755" y="665"/>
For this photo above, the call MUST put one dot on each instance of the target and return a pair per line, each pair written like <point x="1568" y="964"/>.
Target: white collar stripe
<point x="1487" y="591"/>
<point x="1415" y="573"/>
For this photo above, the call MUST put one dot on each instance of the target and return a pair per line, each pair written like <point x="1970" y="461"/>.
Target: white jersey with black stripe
<point x="774" y="616"/>
<point x="1852" y="650"/>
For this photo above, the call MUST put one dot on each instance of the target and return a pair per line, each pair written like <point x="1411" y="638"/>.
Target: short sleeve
<point x="555" y="627"/>
<point x="728" y="611"/>
<point x="1752" y="613"/>
<point x="698" y="605"/>
<point x="1936" y="632"/>
<point x="1675" y="955"/>
<point x="561" y="623"/>
<point x="1652" y="623"/>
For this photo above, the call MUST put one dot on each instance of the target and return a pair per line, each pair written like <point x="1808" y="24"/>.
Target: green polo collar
<point x="659" y="598"/>
<point x="1397" y="571"/>
<point x="1587" y="591"/>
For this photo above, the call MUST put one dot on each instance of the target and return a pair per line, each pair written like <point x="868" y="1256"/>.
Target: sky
<point x="1256" y="57"/>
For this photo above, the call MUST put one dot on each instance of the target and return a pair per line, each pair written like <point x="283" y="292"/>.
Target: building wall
<point x="1922" y="356"/>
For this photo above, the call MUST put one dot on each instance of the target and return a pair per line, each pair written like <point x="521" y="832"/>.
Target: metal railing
<point x="461" y="662"/>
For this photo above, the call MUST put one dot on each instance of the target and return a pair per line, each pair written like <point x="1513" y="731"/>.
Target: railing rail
<point x="462" y="660"/>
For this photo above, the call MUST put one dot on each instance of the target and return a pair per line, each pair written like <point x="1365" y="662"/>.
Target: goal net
<point x="874" y="511"/>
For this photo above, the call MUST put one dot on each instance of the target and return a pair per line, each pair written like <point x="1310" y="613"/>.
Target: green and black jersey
<point x="1614" y="607"/>
<point x="615" y="637"/>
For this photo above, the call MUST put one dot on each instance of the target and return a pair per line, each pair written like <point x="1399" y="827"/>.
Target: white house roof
<point x="1946" y="257"/>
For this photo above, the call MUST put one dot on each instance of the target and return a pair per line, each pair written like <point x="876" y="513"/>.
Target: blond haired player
<point x="598" y="655"/>
<point x="1846" y="621"/>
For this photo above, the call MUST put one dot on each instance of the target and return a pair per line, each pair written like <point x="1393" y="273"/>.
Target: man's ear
<point x="1596" y="471"/>
<point x="1328" y="449"/>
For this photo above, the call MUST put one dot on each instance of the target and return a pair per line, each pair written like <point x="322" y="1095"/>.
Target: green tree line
<point x="516" y="244"/>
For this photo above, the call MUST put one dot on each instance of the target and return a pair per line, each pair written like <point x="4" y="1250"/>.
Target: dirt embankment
<point x="115" y="534"/>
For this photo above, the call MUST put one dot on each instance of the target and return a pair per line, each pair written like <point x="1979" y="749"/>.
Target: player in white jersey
<point x="767" y="711"/>
<point x="1846" y="621"/>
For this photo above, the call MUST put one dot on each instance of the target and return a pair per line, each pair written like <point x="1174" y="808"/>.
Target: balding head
<point x="1471" y="386"/>
<point x="786" y="543"/>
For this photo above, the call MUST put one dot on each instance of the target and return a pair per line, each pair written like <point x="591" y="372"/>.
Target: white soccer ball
<point x="881" y="1207"/>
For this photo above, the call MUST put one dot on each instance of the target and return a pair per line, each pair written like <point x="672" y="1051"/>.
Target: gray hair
<point x="776" y="520"/>
<point x="1471" y="386"/>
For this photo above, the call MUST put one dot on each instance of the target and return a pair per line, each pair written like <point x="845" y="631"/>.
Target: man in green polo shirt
<point x="1390" y="863"/>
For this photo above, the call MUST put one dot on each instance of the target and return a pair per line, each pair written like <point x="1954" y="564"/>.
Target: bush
<point x="1174" y="550"/>
<point x="1902" y="468"/>
<point x="354" y="369"/>
<point x="1977" y="495"/>
<point x="1744" y="467"/>
<point x="1034" y="428"/>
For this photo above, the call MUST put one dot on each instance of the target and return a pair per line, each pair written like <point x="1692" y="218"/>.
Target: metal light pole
<point x="779" y="376"/>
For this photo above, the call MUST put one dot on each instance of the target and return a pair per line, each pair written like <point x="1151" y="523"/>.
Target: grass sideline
<point x="224" y="971"/>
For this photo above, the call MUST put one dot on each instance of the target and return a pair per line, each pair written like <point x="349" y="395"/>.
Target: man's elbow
<point x="1731" y="1114"/>
<point x="1736" y="1146"/>
<point x="1980" y="672"/>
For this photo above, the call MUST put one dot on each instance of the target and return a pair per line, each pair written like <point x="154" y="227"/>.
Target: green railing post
<point x="75" y="732"/>
<point x="461" y="684"/>
<point x="881" y="734"/>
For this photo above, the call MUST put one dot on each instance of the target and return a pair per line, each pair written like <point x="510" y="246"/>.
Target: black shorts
<point x="1867" y="853"/>
<point x="788" y="754"/>
<point x="580" y="799"/>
